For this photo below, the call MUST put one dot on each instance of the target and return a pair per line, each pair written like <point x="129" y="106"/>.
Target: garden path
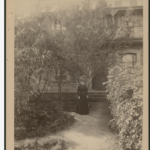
<point x="90" y="132"/>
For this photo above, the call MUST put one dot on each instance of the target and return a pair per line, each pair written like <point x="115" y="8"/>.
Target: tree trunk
<point x="59" y="91"/>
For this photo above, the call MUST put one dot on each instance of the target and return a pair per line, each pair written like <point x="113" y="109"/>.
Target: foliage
<point x="93" y="42"/>
<point x="43" y="145"/>
<point x="32" y="60"/>
<point x="39" y="58"/>
<point x="41" y="119"/>
<point x="81" y="47"/>
<point x="42" y="54"/>
<point x="125" y="87"/>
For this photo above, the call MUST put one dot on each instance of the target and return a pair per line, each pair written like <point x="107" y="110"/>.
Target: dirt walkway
<point x="90" y="132"/>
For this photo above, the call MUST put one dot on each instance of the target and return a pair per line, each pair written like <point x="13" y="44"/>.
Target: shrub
<point x="20" y="133"/>
<point x="41" y="119"/>
<point x="55" y="144"/>
<point x="125" y="88"/>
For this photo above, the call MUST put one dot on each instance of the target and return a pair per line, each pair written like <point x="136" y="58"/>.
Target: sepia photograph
<point x="78" y="74"/>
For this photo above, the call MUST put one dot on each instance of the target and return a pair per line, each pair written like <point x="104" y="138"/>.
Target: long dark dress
<point x="82" y="105"/>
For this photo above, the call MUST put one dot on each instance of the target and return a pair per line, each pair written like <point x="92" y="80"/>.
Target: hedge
<point x="125" y="88"/>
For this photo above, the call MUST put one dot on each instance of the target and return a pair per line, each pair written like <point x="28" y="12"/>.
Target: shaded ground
<point x="90" y="132"/>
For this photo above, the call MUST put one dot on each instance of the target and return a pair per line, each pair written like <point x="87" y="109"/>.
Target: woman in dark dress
<point x="82" y="105"/>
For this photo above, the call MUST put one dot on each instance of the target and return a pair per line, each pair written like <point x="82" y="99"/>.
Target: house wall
<point x="137" y="47"/>
<point x="136" y="32"/>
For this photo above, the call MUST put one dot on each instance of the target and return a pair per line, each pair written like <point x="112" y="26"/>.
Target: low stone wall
<point x="71" y="96"/>
<point x="47" y="96"/>
<point x="69" y="99"/>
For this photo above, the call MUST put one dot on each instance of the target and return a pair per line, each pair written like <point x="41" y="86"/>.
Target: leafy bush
<point x="38" y="58"/>
<point x="41" y="119"/>
<point x="55" y="144"/>
<point x="125" y="88"/>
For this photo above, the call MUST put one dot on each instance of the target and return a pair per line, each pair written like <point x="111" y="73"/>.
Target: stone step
<point x="97" y="95"/>
<point x="97" y="99"/>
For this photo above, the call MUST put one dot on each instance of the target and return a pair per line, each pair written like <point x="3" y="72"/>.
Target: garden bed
<point x="55" y="144"/>
<point x="37" y="120"/>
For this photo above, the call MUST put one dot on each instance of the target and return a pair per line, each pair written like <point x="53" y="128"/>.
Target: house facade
<point x="134" y="53"/>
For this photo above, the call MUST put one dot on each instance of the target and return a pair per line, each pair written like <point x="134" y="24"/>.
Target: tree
<point x="93" y="42"/>
<point x="40" y="53"/>
<point x="33" y="59"/>
<point x="81" y="50"/>
<point x="37" y="60"/>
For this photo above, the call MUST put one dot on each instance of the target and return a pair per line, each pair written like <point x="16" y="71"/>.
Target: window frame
<point x="134" y="57"/>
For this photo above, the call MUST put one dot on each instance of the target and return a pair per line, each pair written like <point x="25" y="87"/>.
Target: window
<point x="129" y="58"/>
<point x="138" y="21"/>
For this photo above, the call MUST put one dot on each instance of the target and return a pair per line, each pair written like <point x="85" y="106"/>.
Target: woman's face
<point x="82" y="83"/>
